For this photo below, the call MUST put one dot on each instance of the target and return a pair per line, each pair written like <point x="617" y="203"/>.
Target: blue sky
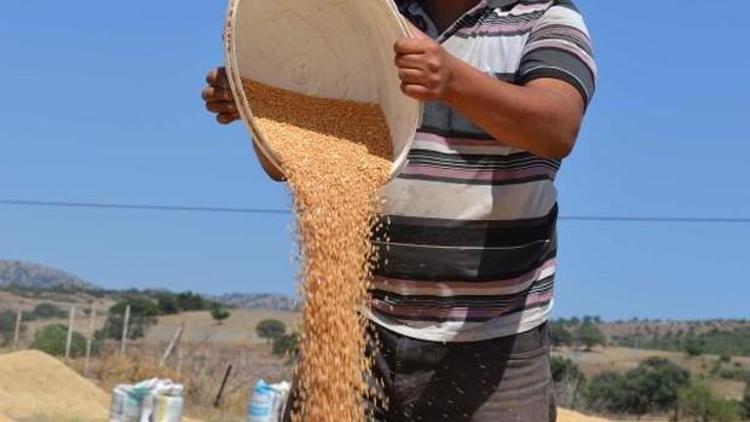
<point x="100" y="103"/>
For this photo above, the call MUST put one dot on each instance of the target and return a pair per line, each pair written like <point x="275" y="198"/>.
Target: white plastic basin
<point x="339" y="49"/>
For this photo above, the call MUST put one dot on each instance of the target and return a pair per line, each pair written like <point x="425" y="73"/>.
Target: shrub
<point x="608" y="392"/>
<point x="286" y="345"/>
<point x="589" y="335"/>
<point x="656" y="382"/>
<point x="651" y="387"/>
<point x="48" y="311"/>
<point x="190" y="301"/>
<point x="560" y="335"/>
<point x="51" y="340"/>
<point x="569" y="381"/>
<point x="167" y="303"/>
<point x="219" y="313"/>
<point x="143" y="313"/>
<point x="699" y="402"/>
<point x="270" y="329"/>
<point x="693" y="348"/>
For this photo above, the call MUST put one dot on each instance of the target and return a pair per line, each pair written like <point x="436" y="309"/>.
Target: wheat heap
<point x="336" y="155"/>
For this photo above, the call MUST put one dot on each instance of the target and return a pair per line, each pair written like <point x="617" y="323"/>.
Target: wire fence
<point x="112" y="348"/>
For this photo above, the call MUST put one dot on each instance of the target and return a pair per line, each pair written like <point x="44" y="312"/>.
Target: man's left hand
<point x="424" y="67"/>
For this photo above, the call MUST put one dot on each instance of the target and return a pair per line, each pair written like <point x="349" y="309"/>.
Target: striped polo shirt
<point x="468" y="248"/>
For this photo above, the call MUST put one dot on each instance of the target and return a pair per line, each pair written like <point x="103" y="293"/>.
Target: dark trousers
<point x="500" y="380"/>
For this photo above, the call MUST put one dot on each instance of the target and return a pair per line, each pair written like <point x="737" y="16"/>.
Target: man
<point x="464" y="290"/>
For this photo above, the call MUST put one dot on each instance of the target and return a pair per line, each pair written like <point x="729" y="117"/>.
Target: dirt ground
<point x="569" y="416"/>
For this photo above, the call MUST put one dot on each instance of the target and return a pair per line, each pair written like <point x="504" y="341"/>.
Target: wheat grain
<point x="336" y="155"/>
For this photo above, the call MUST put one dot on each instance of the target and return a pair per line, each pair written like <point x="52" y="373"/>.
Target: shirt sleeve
<point x="559" y="47"/>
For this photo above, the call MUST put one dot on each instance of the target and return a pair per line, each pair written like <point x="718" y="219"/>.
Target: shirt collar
<point x="500" y="3"/>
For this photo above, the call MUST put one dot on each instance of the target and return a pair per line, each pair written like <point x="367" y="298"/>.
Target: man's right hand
<point x="218" y="97"/>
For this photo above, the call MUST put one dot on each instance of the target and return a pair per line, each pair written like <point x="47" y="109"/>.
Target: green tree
<point x="219" y="313"/>
<point x="589" y="335"/>
<point x="608" y="392"/>
<point x="560" y="335"/>
<point x="693" y="347"/>
<point x="701" y="404"/>
<point x="143" y="313"/>
<point x="270" y="329"/>
<point x="655" y="384"/>
<point x="651" y="387"/>
<point x="139" y="306"/>
<point x="48" y="311"/>
<point x="189" y="301"/>
<point x="286" y="345"/>
<point x="167" y="303"/>
<point x="564" y="368"/>
<point x="51" y="340"/>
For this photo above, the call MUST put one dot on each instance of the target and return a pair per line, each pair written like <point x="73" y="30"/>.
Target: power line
<point x="276" y="211"/>
<point x="144" y="207"/>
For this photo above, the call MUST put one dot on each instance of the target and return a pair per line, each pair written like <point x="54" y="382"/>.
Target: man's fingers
<point x="415" y="91"/>
<point x="212" y="93"/>
<point x="226" y="118"/>
<point x="410" y="61"/>
<point x="412" y="76"/>
<point x="221" y="107"/>
<point x="411" y="46"/>
<point x="217" y="77"/>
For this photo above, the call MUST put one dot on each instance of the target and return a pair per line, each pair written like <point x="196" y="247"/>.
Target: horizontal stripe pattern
<point x="467" y="246"/>
<point x="509" y="286"/>
<point x="436" y="199"/>
<point x="468" y="161"/>
<point x="465" y="233"/>
<point x="559" y="46"/>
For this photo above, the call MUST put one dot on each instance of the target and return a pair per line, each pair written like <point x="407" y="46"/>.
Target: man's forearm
<point x="542" y="117"/>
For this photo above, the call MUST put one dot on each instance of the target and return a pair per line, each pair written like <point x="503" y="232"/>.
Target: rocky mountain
<point x="36" y="276"/>
<point x="272" y="302"/>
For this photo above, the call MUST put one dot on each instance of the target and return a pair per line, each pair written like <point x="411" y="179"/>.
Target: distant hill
<point x="271" y="302"/>
<point x="35" y="276"/>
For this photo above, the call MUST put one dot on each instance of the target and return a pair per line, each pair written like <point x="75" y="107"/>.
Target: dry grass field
<point x="622" y="359"/>
<point x="238" y="329"/>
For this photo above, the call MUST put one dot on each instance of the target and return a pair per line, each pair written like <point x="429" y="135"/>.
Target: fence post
<point x="69" y="339"/>
<point x="223" y="384"/>
<point x="125" y="330"/>
<point x="90" y="339"/>
<point x="171" y="345"/>
<point x="17" y="328"/>
<point x="179" y="361"/>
